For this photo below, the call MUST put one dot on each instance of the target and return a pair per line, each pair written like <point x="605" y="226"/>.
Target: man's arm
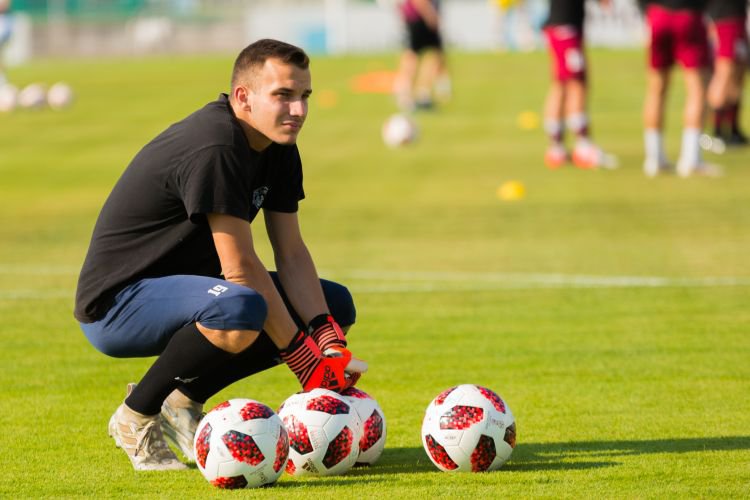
<point x="428" y="13"/>
<point x="240" y="264"/>
<point x="295" y="265"/>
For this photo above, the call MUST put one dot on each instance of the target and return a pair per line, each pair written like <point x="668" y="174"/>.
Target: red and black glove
<point x="313" y="369"/>
<point x="326" y="332"/>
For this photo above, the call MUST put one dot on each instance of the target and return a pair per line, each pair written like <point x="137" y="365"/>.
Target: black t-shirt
<point x="154" y="221"/>
<point x="727" y="9"/>
<point x="699" y="5"/>
<point x="566" y="12"/>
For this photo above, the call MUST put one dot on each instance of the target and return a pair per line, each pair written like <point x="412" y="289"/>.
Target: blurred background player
<point x="6" y="28"/>
<point x="566" y="104"/>
<point x="423" y="73"/>
<point x="677" y="33"/>
<point x="728" y="18"/>
<point x="519" y="23"/>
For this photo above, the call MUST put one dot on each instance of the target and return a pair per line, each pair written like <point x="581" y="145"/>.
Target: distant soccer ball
<point x="8" y="98"/>
<point x="373" y="431"/>
<point x="32" y="96"/>
<point x="468" y="428"/>
<point x="399" y="130"/>
<point x="241" y="443"/>
<point x="323" y="429"/>
<point x="60" y="96"/>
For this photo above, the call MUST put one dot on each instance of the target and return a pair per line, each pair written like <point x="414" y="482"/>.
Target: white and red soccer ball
<point x="373" y="431"/>
<point x="468" y="428"/>
<point x="399" y="130"/>
<point x="323" y="430"/>
<point x="241" y="443"/>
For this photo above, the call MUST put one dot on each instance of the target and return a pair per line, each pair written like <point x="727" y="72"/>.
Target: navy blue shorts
<point x="147" y="313"/>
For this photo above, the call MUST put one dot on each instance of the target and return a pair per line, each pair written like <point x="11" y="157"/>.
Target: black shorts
<point x="422" y="37"/>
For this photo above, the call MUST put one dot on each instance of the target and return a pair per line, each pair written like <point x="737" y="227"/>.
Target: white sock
<point x="553" y="127"/>
<point x="654" y="145"/>
<point x="690" y="152"/>
<point x="577" y="122"/>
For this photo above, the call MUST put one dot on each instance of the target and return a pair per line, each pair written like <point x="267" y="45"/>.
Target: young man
<point x="678" y="33"/>
<point x="729" y="20"/>
<point x="567" y="97"/>
<point x="422" y="70"/>
<point x="171" y="270"/>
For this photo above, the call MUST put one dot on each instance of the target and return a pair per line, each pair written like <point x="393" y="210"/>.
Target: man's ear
<point x="241" y="96"/>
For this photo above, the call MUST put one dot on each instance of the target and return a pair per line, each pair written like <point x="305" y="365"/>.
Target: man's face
<point x="278" y="97"/>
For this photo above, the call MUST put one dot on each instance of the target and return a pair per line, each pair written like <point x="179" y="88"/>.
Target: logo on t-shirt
<point x="259" y="195"/>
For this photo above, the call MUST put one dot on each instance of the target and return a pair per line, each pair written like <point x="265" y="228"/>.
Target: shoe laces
<point x="151" y="439"/>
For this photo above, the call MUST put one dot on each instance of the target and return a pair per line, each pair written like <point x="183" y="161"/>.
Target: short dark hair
<point x="256" y="54"/>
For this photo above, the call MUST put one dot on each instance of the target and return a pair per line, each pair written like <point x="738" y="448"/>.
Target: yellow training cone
<point x="511" y="191"/>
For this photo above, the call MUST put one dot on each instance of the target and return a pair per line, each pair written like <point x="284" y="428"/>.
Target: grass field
<point x="609" y="310"/>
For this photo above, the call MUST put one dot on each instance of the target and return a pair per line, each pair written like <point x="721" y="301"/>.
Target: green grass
<point x="630" y="388"/>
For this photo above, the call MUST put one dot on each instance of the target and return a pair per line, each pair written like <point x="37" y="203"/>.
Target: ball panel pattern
<point x="242" y="447"/>
<point x="510" y="435"/>
<point x="496" y="401"/>
<point x="438" y="453"/>
<point x="230" y="483"/>
<point x="353" y="392"/>
<point x="483" y="455"/>
<point x="372" y="432"/>
<point x="202" y="445"/>
<point x="225" y="404"/>
<point x="340" y="448"/>
<point x="443" y="395"/>
<point x="329" y="405"/>
<point x="252" y="411"/>
<point x="461" y="417"/>
<point x="282" y="450"/>
<point x="299" y="438"/>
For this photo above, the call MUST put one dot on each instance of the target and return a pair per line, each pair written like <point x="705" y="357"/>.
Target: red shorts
<point x="566" y="47"/>
<point x="677" y="35"/>
<point x="731" y="39"/>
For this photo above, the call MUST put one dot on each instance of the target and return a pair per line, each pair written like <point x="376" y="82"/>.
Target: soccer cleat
<point x="653" y="168"/>
<point x="736" y="138"/>
<point x="713" y="144"/>
<point x="699" y="170"/>
<point x="555" y="157"/>
<point x="179" y="425"/>
<point x="591" y="157"/>
<point x="143" y="442"/>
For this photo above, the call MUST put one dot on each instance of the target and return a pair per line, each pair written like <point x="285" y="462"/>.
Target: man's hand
<point x="314" y="369"/>
<point x="326" y="332"/>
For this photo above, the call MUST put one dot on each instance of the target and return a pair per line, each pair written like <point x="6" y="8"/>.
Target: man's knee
<point x="340" y="303"/>
<point x="244" y="310"/>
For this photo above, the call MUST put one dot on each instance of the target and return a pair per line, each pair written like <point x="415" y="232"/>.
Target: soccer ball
<point x="59" y="96"/>
<point x="468" y="428"/>
<point x="8" y="98"/>
<point x="323" y="429"/>
<point x="32" y="96"/>
<point x="372" y="436"/>
<point x="241" y="443"/>
<point x="399" y="130"/>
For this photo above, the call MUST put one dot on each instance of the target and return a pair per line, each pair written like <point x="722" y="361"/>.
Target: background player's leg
<point x="653" y="121"/>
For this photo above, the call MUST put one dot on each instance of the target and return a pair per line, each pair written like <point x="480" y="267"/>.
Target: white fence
<point x="320" y="26"/>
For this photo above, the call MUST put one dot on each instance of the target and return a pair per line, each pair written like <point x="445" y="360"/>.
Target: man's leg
<point x="195" y="325"/>
<point x="556" y="155"/>
<point x="692" y="118"/>
<point x="183" y="408"/>
<point x="653" y="121"/>
<point x="263" y="354"/>
<point x="404" y="81"/>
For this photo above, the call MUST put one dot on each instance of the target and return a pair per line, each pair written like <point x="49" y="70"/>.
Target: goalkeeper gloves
<point x="314" y="369"/>
<point x="326" y="332"/>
